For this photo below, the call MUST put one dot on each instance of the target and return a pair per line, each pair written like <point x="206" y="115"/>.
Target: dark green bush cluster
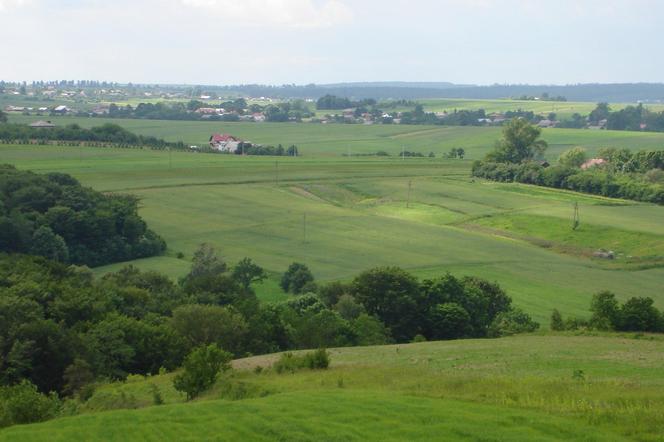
<point x="314" y="360"/>
<point x="259" y="150"/>
<point x="54" y="216"/>
<point x="636" y="314"/>
<point x="23" y="403"/>
<point x="594" y="181"/>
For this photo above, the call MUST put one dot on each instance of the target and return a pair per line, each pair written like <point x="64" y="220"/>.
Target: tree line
<point x="621" y="173"/>
<point x="63" y="328"/>
<point x="637" y="314"/>
<point x="106" y="133"/>
<point x="55" y="217"/>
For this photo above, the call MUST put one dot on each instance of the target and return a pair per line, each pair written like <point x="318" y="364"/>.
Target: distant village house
<point x="42" y="125"/>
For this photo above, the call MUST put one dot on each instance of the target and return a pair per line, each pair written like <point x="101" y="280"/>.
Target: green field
<point x="335" y="140"/>
<point x="522" y="388"/>
<point x="358" y="215"/>
<point x="563" y="109"/>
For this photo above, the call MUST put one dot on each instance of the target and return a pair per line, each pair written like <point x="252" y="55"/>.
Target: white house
<point x="224" y="143"/>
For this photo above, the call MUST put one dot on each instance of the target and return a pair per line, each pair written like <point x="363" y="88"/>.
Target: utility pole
<point x="276" y="172"/>
<point x="170" y="159"/>
<point x="410" y="185"/>
<point x="304" y="227"/>
<point x="403" y="152"/>
<point x="576" y="221"/>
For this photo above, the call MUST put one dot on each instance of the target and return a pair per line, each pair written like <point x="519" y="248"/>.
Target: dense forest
<point x="54" y="216"/>
<point x="61" y="325"/>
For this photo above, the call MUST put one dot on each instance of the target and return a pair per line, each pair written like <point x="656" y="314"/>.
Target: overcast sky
<point x="322" y="41"/>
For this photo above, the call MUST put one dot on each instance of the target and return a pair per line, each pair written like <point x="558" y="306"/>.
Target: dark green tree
<point x="450" y="321"/>
<point x="520" y="142"/>
<point x="246" y="272"/>
<point x="297" y="278"/>
<point x="49" y="245"/>
<point x="393" y="296"/>
<point x="210" y="324"/>
<point x="605" y="311"/>
<point x="639" y="314"/>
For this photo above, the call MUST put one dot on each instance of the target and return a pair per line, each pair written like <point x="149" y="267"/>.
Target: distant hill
<point x="616" y="93"/>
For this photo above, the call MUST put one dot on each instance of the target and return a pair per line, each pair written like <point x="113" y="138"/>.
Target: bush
<point x="639" y="314"/>
<point x="557" y="323"/>
<point x="512" y="322"/>
<point x="201" y="369"/>
<point x="315" y="360"/>
<point x="23" y="404"/>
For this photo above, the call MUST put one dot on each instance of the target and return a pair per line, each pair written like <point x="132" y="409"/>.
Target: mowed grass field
<point x="536" y="387"/>
<point x="343" y="215"/>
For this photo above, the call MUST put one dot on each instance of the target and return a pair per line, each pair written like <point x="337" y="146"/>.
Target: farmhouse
<point x="546" y="123"/>
<point x="62" y="109"/>
<point x="224" y="143"/>
<point x="42" y="125"/>
<point x="592" y="163"/>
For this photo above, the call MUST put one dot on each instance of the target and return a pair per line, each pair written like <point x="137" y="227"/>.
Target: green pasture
<point x="344" y="215"/>
<point x="536" y="387"/>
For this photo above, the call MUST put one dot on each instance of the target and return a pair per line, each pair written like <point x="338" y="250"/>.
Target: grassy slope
<point x="357" y="218"/>
<point x="519" y="388"/>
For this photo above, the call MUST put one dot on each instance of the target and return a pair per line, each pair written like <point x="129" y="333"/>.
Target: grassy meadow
<point x="535" y="387"/>
<point x="342" y="215"/>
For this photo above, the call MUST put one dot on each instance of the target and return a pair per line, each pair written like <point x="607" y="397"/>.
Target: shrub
<point x="512" y="322"/>
<point x="23" y="404"/>
<point x="201" y="368"/>
<point x="315" y="360"/>
<point x="557" y="323"/>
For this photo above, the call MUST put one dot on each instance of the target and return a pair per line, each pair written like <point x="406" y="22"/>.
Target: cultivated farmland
<point x="343" y="215"/>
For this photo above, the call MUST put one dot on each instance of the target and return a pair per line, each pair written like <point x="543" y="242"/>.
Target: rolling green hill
<point x="521" y="388"/>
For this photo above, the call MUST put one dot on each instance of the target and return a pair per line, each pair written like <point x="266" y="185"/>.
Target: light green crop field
<point x="563" y="109"/>
<point x="341" y="216"/>
<point x="552" y="387"/>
